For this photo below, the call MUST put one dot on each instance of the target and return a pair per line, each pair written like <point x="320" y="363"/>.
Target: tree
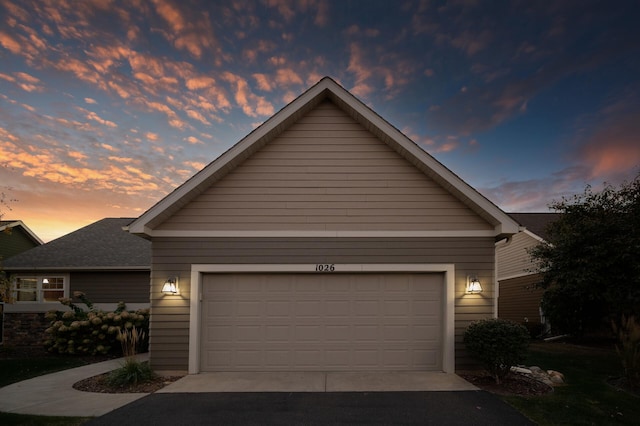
<point x="5" y="283"/>
<point x="590" y="262"/>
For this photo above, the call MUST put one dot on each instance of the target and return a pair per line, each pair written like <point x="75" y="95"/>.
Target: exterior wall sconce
<point x="473" y="285"/>
<point x="170" y="286"/>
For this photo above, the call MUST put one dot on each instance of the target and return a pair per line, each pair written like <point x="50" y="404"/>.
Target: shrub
<point x="92" y="331"/>
<point x="498" y="344"/>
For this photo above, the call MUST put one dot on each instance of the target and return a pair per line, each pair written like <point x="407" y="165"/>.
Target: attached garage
<point x="325" y="240"/>
<point x="322" y="322"/>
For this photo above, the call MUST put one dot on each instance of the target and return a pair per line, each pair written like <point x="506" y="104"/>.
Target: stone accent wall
<point x="24" y="329"/>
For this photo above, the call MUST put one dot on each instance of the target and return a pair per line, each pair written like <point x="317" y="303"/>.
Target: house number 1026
<point x="325" y="267"/>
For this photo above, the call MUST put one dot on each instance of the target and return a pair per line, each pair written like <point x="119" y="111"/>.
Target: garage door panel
<point x="331" y="322"/>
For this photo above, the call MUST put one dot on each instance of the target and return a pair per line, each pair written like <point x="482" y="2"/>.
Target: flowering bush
<point x="94" y="331"/>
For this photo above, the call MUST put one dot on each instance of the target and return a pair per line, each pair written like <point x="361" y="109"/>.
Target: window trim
<point x="39" y="288"/>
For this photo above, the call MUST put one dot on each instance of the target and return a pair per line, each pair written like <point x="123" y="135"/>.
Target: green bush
<point x="498" y="344"/>
<point x="94" y="331"/>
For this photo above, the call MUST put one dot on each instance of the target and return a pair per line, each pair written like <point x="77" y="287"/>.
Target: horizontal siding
<point x="325" y="173"/>
<point x="112" y="287"/>
<point x="174" y="256"/>
<point x="519" y="298"/>
<point x="13" y="241"/>
<point x="513" y="258"/>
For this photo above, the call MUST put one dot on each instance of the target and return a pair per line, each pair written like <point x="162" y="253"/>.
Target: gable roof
<point x="536" y="223"/>
<point x="324" y="89"/>
<point x="7" y="224"/>
<point x="102" y="245"/>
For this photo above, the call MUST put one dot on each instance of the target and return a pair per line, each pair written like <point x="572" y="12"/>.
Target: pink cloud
<point x="251" y="104"/>
<point x="189" y="30"/>
<point x="200" y="82"/>
<point x="284" y="7"/>
<point x="10" y="43"/>
<point x="263" y="82"/>
<point x="194" y="141"/>
<point x="613" y="151"/>
<point x="197" y="116"/>
<point x="90" y="115"/>
<point x="287" y="77"/>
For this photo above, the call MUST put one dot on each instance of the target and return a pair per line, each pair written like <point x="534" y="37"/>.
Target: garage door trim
<point x="197" y="271"/>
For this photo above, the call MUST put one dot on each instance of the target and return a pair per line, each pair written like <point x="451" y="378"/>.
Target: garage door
<point x="321" y="322"/>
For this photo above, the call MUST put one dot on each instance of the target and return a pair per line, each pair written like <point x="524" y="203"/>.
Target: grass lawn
<point x="8" y="419"/>
<point x="586" y="399"/>
<point x="18" y="369"/>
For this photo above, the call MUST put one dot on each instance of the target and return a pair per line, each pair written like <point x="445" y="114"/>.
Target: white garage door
<point x="321" y="322"/>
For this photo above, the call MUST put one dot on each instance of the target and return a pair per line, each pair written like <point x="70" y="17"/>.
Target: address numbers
<point x="325" y="267"/>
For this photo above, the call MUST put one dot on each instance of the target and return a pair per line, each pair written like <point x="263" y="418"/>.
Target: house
<point x="102" y="260"/>
<point x="325" y="240"/>
<point x="519" y="296"/>
<point x="15" y="237"/>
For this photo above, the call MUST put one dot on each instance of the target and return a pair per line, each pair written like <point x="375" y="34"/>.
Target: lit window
<point x="39" y="289"/>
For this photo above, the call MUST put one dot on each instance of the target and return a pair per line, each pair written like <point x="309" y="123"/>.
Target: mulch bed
<point x="513" y="384"/>
<point x="99" y="384"/>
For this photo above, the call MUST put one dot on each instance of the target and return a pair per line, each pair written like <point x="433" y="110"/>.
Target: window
<point x="39" y="288"/>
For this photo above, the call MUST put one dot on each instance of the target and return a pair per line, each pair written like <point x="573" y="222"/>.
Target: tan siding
<point x="112" y="287"/>
<point x="174" y="256"/>
<point x="513" y="258"/>
<point x="325" y="173"/>
<point x="520" y="298"/>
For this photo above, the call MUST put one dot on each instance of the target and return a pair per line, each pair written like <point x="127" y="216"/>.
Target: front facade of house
<point x="323" y="241"/>
<point x="101" y="260"/>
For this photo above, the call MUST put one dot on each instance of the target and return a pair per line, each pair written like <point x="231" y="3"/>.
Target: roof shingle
<point x="100" y="245"/>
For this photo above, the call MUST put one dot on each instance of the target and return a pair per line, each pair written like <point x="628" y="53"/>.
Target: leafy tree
<point x="5" y="205"/>
<point x="590" y="262"/>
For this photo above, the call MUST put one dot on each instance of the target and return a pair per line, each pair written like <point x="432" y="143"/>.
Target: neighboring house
<point x="519" y="296"/>
<point x="102" y="260"/>
<point x="324" y="240"/>
<point x="15" y="237"/>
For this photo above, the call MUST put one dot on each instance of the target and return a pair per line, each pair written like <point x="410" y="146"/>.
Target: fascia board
<point x="30" y="233"/>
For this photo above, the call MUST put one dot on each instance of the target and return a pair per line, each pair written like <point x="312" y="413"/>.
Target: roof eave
<point x="29" y="232"/>
<point x="325" y="88"/>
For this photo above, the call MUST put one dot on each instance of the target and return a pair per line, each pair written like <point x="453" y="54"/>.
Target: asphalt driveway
<point x="476" y="408"/>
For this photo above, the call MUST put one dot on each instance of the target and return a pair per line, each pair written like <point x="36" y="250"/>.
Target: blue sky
<point x="107" y="105"/>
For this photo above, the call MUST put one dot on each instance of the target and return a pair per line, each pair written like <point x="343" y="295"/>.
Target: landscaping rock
<point x="556" y="377"/>
<point x="550" y="377"/>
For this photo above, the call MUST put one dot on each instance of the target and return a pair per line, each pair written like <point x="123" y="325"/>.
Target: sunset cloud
<point x="10" y="43"/>
<point x="120" y="101"/>
<point x="612" y="151"/>
<point x="251" y="104"/>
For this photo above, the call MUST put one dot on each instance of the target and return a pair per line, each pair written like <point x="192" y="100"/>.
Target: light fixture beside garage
<point x="170" y="286"/>
<point x="473" y="285"/>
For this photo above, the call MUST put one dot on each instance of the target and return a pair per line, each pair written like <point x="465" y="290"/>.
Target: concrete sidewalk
<point x="53" y="394"/>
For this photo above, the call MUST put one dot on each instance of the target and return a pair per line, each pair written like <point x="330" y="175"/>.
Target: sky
<point x="106" y="106"/>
